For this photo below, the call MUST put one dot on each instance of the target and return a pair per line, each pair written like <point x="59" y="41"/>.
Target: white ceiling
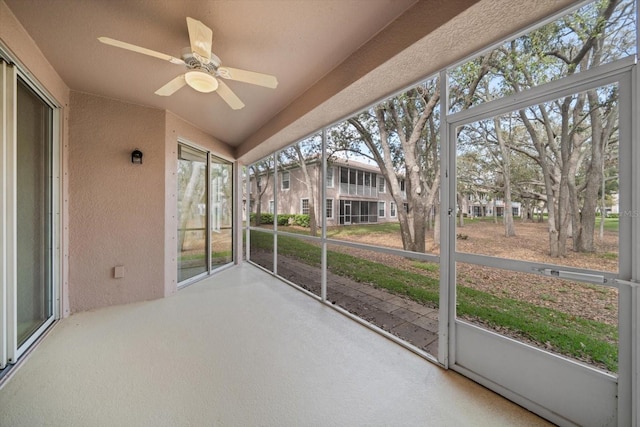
<point x="297" y="41"/>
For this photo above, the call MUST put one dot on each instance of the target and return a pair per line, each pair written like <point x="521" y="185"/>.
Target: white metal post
<point x="635" y="238"/>
<point x="5" y="114"/>
<point x="323" y="231"/>
<point x="237" y="225"/>
<point x="276" y="155"/>
<point x="10" y="206"/>
<point x="446" y="315"/>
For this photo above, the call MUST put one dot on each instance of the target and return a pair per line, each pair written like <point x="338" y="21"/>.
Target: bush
<point x="302" y="220"/>
<point x="283" y="219"/>
<point x="265" y="218"/>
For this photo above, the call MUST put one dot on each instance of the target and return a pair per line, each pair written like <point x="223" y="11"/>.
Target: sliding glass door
<point x="27" y="211"/>
<point x="34" y="219"/>
<point x="204" y="213"/>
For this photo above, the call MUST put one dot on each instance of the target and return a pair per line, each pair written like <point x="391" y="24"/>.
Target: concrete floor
<point x="238" y="349"/>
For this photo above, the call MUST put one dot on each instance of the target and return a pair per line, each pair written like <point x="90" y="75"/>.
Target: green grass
<point x="426" y="266"/>
<point x="190" y="257"/>
<point x="200" y="256"/>
<point x="569" y="335"/>
<point x="609" y="255"/>
<point x="610" y="224"/>
<point x="362" y="229"/>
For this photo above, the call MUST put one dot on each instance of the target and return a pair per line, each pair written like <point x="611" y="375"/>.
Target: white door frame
<point x="10" y="352"/>
<point x="536" y="379"/>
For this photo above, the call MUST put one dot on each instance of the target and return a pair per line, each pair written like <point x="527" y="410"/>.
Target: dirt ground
<point x="594" y="302"/>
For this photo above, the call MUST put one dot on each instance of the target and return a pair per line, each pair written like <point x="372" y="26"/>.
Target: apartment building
<point x="356" y="192"/>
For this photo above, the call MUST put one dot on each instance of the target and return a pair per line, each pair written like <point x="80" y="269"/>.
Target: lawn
<point x="584" y="339"/>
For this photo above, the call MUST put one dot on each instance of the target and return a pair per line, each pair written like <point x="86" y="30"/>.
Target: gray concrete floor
<point x="238" y="349"/>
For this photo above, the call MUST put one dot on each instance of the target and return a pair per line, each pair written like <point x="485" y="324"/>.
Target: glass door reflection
<point x="221" y="212"/>
<point x="192" y="212"/>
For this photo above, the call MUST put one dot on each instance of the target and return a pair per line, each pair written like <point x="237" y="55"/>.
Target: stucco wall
<point x="117" y="209"/>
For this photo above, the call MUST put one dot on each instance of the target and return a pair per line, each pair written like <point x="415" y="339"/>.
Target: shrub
<point x="283" y="219"/>
<point x="265" y="218"/>
<point x="302" y="220"/>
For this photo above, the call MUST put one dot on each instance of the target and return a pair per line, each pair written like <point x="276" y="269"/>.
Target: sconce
<point x="136" y="157"/>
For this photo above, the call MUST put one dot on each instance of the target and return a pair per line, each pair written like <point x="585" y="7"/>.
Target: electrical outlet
<point x="118" y="272"/>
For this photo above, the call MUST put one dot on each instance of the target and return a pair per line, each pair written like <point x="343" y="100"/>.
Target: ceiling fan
<point x="204" y="69"/>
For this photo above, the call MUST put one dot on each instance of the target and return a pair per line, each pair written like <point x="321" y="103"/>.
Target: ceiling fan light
<point x="201" y="81"/>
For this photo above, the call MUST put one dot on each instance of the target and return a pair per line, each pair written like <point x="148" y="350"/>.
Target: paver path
<point x="413" y="322"/>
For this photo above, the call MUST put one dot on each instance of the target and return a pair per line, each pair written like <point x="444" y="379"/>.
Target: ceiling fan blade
<point x="201" y="38"/>
<point x="228" y="96"/>
<point x="171" y="87"/>
<point x="145" y="51"/>
<point x="248" y="77"/>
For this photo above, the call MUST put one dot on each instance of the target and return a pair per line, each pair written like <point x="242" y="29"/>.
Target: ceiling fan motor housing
<point x="194" y="63"/>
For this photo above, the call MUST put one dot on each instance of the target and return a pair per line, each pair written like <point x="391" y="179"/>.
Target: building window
<point x="286" y="180"/>
<point x="392" y="210"/>
<point x="329" y="208"/>
<point x="344" y="175"/>
<point x="381" y="184"/>
<point x="271" y="206"/>
<point x="402" y="185"/>
<point x="406" y="207"/>
<point x="329" y="177"/>
<point x="381" y="209"/>
<point x="304" y="206"/>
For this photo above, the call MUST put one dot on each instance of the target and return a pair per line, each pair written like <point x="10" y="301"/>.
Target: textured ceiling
<point x="297" y="41"/>
<point x="331" y="57"/>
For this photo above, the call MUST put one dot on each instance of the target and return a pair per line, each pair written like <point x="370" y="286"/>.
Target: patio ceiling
<point x="331" y="57"/>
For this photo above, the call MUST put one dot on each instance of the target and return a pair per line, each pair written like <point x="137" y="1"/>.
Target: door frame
<point x="10" y="72"/>
<point x="347" y="204"/>
<point x="499" y="362"/>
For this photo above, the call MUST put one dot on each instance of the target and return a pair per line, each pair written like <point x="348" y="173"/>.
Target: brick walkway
<point x="402" y="317"/>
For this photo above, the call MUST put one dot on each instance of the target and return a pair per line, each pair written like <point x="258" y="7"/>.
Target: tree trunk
<point x="259" y="211"/>
<point x="509" y="229"/>
<point x="313" y="225"/>
<point x="600" y="134"/>
<point x="494" y="210"/>
<point x="460" y="210"/>
<point x="541" y="213"/>
<point x="524" y="213"/>
<point x="260" y="190"/>
<point x="540" y="146"/>
<point x="436" y="225"/>
<point x="185" y="210"/>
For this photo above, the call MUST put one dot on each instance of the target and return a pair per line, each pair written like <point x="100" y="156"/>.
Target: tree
<point x="567" y="137"/>
<point x="300" y="155"/>
<point x="260" y="172"/>
<point x="401" y="136"/>
<point x="191" y="178"/>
